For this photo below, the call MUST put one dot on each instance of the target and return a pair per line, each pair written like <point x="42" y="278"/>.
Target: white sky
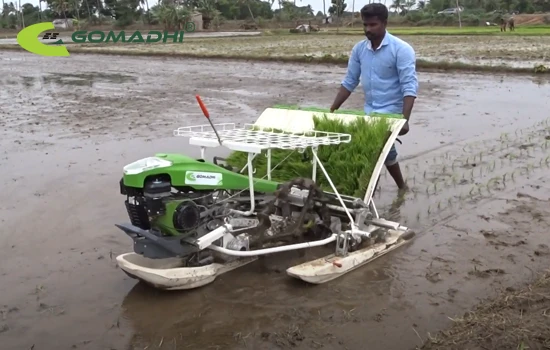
<point x="317" y="5"/>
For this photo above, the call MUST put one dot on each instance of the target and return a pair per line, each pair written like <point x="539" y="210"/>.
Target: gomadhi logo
<point x="28" y="40"/>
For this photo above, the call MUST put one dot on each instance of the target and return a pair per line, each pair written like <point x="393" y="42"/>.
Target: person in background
<point x="386" y="67"/>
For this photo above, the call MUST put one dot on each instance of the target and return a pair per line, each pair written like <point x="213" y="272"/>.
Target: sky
<point x="317" y="5"/>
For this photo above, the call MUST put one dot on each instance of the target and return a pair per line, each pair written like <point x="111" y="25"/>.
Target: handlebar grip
<point x="203" y="107"/>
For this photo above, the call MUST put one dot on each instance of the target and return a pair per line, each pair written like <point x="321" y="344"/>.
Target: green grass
<point x="350" y="165"/>
<point x="421" y="65"/>
<point x="527" y="30"/>
<point x="538" y="30"/>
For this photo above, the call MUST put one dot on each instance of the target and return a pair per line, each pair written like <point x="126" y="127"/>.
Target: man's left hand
<point x="404" y="129"/>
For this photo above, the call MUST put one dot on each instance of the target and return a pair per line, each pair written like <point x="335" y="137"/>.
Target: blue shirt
<point x="387" y="74"/>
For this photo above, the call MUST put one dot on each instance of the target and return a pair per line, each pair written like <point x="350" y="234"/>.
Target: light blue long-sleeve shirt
<point x="387" y="75"/>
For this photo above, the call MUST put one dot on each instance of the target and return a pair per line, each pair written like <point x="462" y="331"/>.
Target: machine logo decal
<point x="203" y="178"/>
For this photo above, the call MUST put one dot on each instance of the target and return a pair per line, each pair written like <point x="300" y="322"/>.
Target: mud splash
<point x="64" y="145"/>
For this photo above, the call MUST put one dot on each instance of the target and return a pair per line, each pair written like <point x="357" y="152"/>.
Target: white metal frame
<point x="253" y="139"/>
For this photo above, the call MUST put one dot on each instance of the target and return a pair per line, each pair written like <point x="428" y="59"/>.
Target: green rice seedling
<point x="355" y="112"/>
<point x="350" y="165"/>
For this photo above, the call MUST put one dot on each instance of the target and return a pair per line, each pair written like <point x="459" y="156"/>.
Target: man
<point x="386" y="66"/>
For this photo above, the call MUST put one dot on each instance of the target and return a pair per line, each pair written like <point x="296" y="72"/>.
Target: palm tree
<point x="76" y="7"/>
<point x="61" y="7"/>
<point x="247" y="3"/>
<point x="89" y="11"/>
<point x="209" y="12"/>
<point x="397" y="5"/>
<point x="171" y="16"/>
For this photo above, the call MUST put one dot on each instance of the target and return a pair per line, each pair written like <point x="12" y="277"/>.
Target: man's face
<point x="374" y="28"/>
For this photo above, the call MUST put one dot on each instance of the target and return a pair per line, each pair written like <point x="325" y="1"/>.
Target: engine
<point x="171" y="212"/>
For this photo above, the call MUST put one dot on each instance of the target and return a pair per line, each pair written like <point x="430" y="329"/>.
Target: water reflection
<point x="88" y="79"/>
<point x="541" y="79"/>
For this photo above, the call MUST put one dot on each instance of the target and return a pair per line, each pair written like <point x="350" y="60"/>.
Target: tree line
<point x="174" y="13"/>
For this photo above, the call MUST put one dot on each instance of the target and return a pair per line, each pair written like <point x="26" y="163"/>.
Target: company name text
<point x="153" y="36"/>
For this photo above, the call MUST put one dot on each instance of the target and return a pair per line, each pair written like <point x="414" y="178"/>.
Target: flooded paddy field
<point x="476" y="160"/>
<point x="512" y="51"/>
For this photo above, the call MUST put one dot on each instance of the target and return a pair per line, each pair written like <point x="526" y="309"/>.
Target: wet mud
<point x="476" y="160"/>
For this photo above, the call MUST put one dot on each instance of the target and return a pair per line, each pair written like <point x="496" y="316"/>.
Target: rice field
<point x="521" y="30"/>
<point x="511" y="51"/>
<point x="479" y="48"/>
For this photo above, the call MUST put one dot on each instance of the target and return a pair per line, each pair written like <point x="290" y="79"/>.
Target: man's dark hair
<point x="375" y="9"/>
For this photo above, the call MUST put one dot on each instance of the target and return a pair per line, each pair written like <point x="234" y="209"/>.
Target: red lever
<point x="207" y="115"/>
<point x="203" y="107"/>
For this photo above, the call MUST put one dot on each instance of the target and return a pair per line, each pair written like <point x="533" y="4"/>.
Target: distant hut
<point x="196" y="18"/>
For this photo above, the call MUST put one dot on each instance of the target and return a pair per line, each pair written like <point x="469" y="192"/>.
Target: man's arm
<point x="406" y="68"/>
<point x="351" y="80"/>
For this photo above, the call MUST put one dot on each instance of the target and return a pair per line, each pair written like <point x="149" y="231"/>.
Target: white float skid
<point x="169" y="274"/>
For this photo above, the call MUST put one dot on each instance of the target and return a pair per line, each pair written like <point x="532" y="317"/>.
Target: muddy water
<point x="476" y="160"/>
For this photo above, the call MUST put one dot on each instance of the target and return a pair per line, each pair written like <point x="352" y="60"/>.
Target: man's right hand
<point x="405" y="129"/>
